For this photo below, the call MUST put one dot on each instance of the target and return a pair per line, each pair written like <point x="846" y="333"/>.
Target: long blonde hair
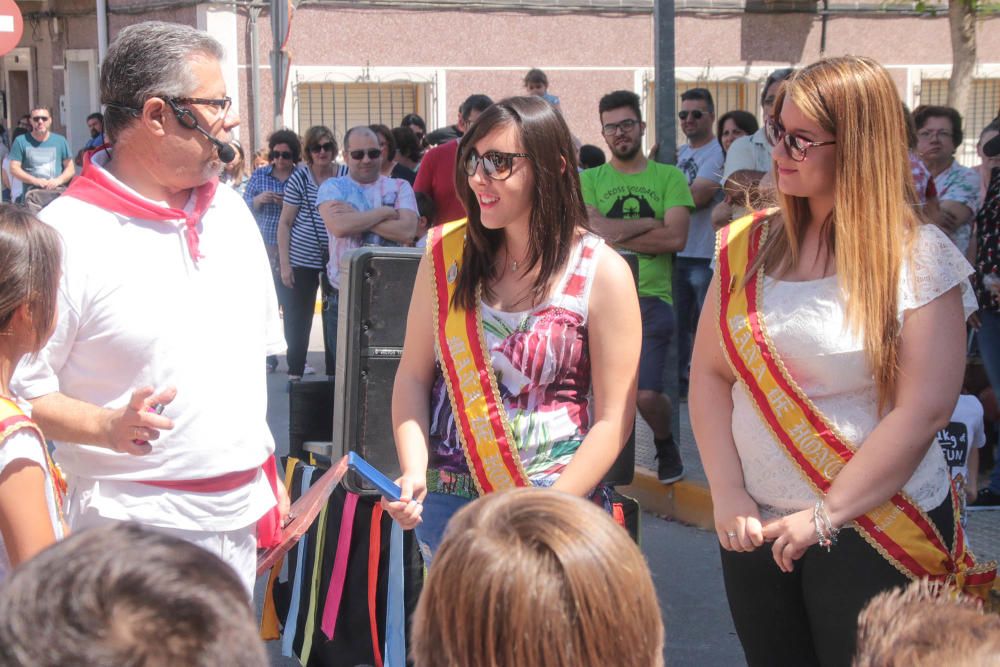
<point x="855" y="100"/>
<point x="537" y="578"/>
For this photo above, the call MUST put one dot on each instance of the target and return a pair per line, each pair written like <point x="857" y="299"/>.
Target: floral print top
<point x="988" y="242"/>
<point x="542" y="365"/>
<point x="959" y="184"/>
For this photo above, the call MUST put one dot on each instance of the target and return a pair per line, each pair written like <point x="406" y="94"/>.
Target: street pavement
<point x="684" y="562"/>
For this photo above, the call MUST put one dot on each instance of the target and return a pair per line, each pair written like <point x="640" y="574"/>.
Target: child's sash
<point x="13" y="419"/>
<point x="899" y="530"/>
<point x="489" y="445"/>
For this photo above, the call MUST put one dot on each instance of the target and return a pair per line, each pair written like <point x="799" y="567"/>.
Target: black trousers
<point x="809" y="616"/>
<point x="299" y="304"/>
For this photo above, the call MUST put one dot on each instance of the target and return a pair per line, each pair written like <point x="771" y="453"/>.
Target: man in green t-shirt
<point x="643" y="207"/>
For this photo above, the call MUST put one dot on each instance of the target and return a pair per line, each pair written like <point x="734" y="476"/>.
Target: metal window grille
<point x="341" y="106"/>
<point x="984" y="106"/>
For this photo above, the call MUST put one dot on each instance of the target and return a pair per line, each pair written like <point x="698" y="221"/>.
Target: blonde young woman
<point x="833" y="349"/>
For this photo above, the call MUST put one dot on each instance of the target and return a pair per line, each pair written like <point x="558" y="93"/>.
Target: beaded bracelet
<point x="826" y="534"/>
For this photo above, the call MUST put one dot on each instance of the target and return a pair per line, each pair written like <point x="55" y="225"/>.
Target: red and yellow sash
<point x="489" y="445"/>
<point x="12" y="420"/>
<point x="899" y="530"/>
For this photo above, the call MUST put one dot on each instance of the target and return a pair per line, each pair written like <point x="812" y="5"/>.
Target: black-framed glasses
<point x="626" y="126"/>
<point x="795" y="146"/>
<point x="694" y="113"/>
<point x="39" y="119"/>
<point x="496" y="164"/>
<point x="328" y="147"/>
<point x="372" y="153"/>
<point x="284" y="155"/>
<point x="221" y="103"/>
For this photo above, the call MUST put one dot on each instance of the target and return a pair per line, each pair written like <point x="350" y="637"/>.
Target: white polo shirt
<point x="135" y="310"/>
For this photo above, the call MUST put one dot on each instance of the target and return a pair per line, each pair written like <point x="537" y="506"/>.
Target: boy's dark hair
<point x="413" y="119"/>
<point x="774" y="77"/>
<point x="407" y="143"/>
<point x="591" y="156"/>
<point x="703" y="94"/>
<point x="926" y="111"/>
<point x="390" y="141"/>
<point x="536" y="75"/>
<point x="619" y="99"/>
<point x="472" y="103"/>
<point x="426" y="208"/>
<point x="125" y="595"/>
<point x="286" y="137"/>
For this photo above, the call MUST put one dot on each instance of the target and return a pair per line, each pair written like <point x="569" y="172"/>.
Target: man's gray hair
<point x="147" y="60"/>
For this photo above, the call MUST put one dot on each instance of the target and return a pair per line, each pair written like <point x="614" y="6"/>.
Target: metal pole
<point x="255" y="78"/>
<point x="279" y="28"/>
<point x="102" y="31"/>
<point x="663" y="35"/>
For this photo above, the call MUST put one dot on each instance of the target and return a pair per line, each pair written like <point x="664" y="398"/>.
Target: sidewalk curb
<point x="686" y="501"/>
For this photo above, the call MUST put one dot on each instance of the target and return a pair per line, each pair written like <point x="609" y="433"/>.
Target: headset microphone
<point x="226" y="151"/>
<point x="187" y="119"/>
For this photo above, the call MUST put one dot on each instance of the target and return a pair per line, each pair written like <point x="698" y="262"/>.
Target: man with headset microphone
<point x="151" y="386"/>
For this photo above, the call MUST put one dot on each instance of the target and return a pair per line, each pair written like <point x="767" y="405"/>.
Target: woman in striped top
<point x="303" y="250"/>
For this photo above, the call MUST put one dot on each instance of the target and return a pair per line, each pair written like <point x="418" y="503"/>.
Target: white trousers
<point x="237" y="547"/>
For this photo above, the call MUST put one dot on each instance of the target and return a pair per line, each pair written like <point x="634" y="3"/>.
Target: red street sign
<point x="11" y="26"/>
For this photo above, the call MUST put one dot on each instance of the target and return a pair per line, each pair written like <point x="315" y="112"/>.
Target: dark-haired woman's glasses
<point x="795" y="146"/>
<point x="372" y="153"/>
<point x="284" y="155"/>
<point x="496" y="164"/>
<point x="694" y="113"/>
<point x="319" y="148"/>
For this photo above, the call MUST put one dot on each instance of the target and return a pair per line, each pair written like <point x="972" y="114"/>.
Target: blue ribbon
<point x="288" y="632"/>
<point x="395" y="622"/>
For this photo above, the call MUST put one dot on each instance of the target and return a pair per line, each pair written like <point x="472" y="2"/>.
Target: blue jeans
<point x="989" y="349"/>
<point x="690" y="285"/>
<point x="438" y="510"/>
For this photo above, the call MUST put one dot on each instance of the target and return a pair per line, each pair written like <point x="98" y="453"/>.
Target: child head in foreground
<point x="125" y="595"/>
<point x="926" y="625"/>
<point x="533" y="578"/>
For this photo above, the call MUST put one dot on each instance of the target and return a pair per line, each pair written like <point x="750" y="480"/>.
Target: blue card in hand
<point x="385" y="486"/>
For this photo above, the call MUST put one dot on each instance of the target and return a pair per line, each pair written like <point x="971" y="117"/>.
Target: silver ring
<point x="731" y="534"/>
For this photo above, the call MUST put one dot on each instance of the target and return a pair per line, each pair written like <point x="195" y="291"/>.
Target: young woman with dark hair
<point x="31" y="487"/>
<point x="518" y="316"/>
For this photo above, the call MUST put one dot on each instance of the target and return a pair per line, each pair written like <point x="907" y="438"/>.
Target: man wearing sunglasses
<point x="701" y="159"/>
<point x="642" y="207"/>
<point x="41" y="159"/>
<point x="364" y="207"/>
<point x="152" y="386"/>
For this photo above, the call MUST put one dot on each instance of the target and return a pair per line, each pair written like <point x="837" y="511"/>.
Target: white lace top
<point x="807" y="322"/>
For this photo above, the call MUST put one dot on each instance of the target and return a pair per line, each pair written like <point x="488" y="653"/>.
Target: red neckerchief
<point x="95" y="186"/>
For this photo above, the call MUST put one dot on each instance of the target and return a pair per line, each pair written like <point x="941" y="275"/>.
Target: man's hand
<point x="131" y="428"/>
<point x="284" y="504"/>
<point x="616" y="231"/>
<point x="49" y="183"/>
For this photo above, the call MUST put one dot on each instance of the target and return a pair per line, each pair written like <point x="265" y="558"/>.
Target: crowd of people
<point x="815" y="267"/>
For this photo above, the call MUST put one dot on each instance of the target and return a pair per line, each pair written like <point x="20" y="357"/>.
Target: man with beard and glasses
<point x="701" y="159"/>
<point x="151" y="385"/>
<point x="95" y="125"/>
<point x="643" y="207"/>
